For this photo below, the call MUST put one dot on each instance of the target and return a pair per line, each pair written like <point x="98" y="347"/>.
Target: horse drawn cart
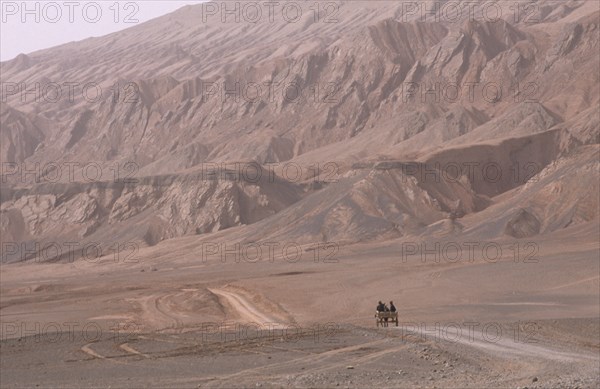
<point x="383" y="318"/>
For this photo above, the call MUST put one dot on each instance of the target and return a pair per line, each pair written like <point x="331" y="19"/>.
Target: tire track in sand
<point x="246" y="310"/>
<point x="503" y="347"/>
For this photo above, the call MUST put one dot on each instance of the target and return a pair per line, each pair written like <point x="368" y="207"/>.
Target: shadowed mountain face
<point x="370" y="121"/>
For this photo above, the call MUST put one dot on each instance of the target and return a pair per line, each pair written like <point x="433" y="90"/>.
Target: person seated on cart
<point x="381" y="307"/>
<point x="392" y="307"/>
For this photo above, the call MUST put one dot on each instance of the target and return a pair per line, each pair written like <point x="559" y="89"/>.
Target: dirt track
<point x="246" y="311"/>
<point x="506" y="348"/>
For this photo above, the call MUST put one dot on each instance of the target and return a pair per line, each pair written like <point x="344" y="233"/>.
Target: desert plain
<point x="181" y="229"/>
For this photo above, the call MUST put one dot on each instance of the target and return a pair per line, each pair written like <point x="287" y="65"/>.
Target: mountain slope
<point x="374" y="86"/>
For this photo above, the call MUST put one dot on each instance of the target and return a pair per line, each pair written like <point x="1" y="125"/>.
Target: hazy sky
<point x="42" y="24"/>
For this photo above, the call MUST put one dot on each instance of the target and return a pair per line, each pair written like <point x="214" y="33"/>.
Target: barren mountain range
<point x="356" y="124"/>
<point x="476" y="107"/>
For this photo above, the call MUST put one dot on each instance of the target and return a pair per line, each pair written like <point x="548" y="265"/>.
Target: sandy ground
<point x="188" y="323"/>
